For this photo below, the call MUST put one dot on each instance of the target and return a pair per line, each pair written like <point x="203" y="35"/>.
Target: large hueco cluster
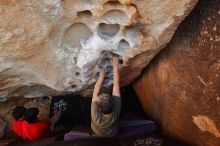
<point x="98" y="30"/>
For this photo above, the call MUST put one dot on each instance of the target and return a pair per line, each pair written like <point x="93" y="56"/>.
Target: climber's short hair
<point x="18" y="112"/>
<point x="106" y="103"/>
<point x="31" y="115"/>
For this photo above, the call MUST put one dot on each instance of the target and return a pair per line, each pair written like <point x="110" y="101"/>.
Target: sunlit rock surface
<point x="49" y="47"/>
<point x="181" y="88"/>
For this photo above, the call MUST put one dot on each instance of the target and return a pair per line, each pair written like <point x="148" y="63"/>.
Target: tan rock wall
<point x="49" y="47"/>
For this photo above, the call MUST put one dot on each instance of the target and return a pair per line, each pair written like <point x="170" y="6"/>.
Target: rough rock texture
<point x="3" y="125"/>
<point x="180" y="89"/>
<point x="50" y="47"/>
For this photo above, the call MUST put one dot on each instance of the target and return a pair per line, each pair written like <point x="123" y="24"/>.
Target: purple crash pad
<point x="132" y="130"/>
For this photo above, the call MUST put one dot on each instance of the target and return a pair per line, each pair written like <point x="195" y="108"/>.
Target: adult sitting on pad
<point x="17" y="121"/>
<point x="33" y="129"/>
<point x="105" y="108"/>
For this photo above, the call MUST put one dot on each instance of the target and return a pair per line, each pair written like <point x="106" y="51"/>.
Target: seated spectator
<point x="34" y="129"/>
<point x="17" y="121"/>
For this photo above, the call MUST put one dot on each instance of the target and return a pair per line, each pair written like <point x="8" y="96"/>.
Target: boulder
<point x="180" y="88"/>
<point x="49" y="47"/>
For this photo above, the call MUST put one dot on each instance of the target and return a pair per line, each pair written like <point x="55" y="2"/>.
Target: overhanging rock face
<point x="50" y="47"/>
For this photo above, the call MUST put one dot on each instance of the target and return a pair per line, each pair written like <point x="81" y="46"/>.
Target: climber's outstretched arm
<point x="116" y="86"/>
<point x="98" y="85"/>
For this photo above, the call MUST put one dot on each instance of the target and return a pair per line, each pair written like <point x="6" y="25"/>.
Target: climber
<point x="33" y="129"/>
<point x="105" y="108"/>
<point x="17" y="121"/>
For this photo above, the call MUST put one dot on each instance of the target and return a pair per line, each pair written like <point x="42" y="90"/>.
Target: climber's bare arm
<point x="116" y="86"/>
<point x="98" y="85"/>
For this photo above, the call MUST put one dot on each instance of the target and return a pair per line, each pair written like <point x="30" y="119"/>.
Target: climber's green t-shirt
<point x="105" y="125"/>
